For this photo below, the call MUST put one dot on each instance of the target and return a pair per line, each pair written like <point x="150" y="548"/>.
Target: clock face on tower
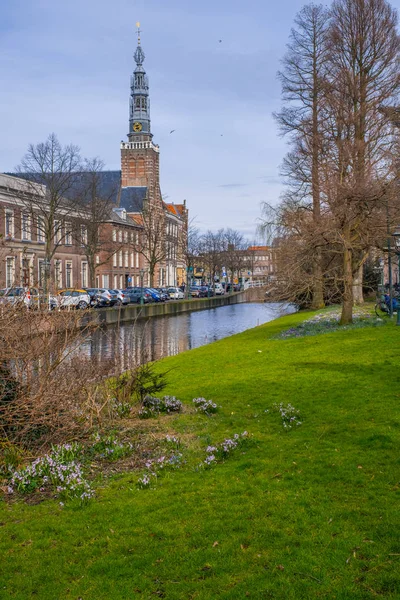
<point x="137" y="126"/>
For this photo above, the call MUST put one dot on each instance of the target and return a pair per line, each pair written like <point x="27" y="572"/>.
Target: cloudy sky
<point x="65" y="68"/>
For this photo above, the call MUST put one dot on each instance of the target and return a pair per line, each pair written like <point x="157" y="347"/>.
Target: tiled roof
<point x="258" y="248"/>
<point x="130" y="198"/>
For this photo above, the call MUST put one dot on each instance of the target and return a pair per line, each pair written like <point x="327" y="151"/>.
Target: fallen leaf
<point x="280" y="567"/>
<point x="215" y="544"/>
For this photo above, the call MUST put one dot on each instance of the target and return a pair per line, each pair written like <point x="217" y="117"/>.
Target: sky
<point x="65" y="67"/>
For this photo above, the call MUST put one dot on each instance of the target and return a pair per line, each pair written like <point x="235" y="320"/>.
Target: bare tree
<point x="211" y="249"/>
<point x="55" y="167"/>
<point x="152" y="243"/>
<point x="364" y="72"/>
<point x="303" y="79"/>
<point x="234" y="253"/>
<point x="94" y="209"/>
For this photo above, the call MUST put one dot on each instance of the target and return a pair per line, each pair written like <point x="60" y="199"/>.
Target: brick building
<point x="124" y="253"/>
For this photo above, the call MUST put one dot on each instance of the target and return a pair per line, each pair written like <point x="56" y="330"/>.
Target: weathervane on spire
<point x="138" y="32"/>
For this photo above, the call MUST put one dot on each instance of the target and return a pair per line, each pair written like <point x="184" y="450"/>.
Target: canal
<point x="157" y="337"/>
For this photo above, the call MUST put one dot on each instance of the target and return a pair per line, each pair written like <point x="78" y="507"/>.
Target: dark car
<point x="197" y="291"/>
<point x="135" y="295"/>
<point x="206" y="291"/>
<point x="98" y="299"/>
<point x="163" y="293"/>
<point x="156" y="297"/>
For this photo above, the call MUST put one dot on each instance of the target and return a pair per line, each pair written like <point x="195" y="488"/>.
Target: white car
<point x="73" y="299"/>
<point x="219" y="290"/>
<point x="175" y="293"/>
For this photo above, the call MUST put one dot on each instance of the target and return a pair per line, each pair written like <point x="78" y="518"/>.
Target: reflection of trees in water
<point x="139" y="342"/>
<point x="143" y="341"/>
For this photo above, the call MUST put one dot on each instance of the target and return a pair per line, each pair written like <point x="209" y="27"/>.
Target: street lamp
<point x="396" y="236"/>
<point x="142" y="272"/>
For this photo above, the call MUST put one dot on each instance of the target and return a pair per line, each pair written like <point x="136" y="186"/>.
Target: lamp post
<point x="396" y="236"/>
<point x="142" y="271"/>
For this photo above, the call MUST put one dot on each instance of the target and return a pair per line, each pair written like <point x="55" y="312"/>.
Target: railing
<point x="254" y="284"/>
<point x="139" y="146"/>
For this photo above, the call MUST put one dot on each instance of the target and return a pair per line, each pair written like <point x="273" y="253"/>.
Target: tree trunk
<point x="347" y="305"/>
<point x="358" y="297"/>
<point x="318" y="291"/>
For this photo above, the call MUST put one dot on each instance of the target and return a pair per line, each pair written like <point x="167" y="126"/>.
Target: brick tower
<point x="139" y="156"/>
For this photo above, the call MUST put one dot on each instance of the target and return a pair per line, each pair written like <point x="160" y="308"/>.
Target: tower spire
<point x="139" y="111"/>
<point x="138" y="32"/>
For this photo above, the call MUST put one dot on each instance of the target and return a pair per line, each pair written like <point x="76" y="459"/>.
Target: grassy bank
<point x="307" y="513"/>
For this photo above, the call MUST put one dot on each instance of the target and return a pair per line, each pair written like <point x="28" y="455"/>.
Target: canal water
<point x="157" y="337"/>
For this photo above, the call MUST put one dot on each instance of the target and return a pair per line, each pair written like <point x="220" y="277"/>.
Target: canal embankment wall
<point x="133" y="312"/>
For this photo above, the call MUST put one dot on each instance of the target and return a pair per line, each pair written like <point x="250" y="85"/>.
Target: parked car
<point x="176" y="293"/>
<point x="156" y="296"/>
<point x="219" y="290"/>
<point x="96" y="299"/>
<point x="73" y="298"/>
<point x="163" y="293"/>
<point x="122" y="298"/>
<point x="207" y="291"/>
<point x="198" y="291"/>
<point x="31" y="297"/>
<point x="135" y="295"/>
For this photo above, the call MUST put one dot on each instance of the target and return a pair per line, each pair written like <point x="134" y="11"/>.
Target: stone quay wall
<point x="132" y="312"/>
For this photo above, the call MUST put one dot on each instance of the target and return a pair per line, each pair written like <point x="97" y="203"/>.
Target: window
<point x="83" y="235"/>
<point x="115" y="281"/>
<point x="115" y="259"/>
<point x="125" y="236"/>
<point x="121" y="282"/>
<point x="25" y="227"/>
<point x="10" y="271"/>
<point x="120" y="259"/>
<point x="106" y="281"/>
<point x="97" y="259"/>
<point x="57" y="232"/>
<point x="84" y="274"/>
<point x="68" y="273"/>
<point x="120" y="236"/>
<point x="9" y="224"/>
<point x="114" y="235"/>
<point x="40" y="230"/>
<point x="132" y="260"/>
<point x="137" y="259"/>
<point x="126" y="259"/>
<point x="131" y="237"/>
<point x="58" y="273"/>
<point x="68" y="234"/>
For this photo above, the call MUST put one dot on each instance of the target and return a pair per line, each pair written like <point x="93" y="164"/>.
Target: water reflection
<point x="132" y="343"/>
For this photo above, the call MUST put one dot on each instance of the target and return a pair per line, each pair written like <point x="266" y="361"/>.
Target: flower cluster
<point x="154" y="467"/>
<point x="289" y="414"/>
<point x="224" y="449"/>
<point x="58" y="471"/>
<point x="173" y="441"/>
<point x="153" y="406"/>
<point x="327" y="322"/>
<point x="205" y="406"/>
<point x="111" y="448"/>
<point x="120" y="409"/>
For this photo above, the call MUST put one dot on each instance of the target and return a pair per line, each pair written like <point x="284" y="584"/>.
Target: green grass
<point x="309" y="513"/>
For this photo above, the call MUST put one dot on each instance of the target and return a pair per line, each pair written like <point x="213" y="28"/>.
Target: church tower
<point x="139" y="156"/>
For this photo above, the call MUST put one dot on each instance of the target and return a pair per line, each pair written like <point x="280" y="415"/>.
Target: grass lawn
<point x="308" y="513"/>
